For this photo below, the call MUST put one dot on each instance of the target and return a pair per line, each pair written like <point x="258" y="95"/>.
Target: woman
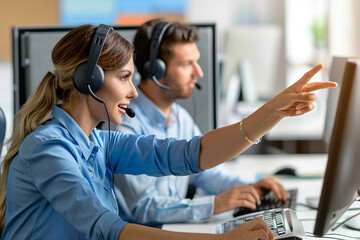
<point x="57" y="181"/>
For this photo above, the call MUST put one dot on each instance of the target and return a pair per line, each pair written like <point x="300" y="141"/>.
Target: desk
<point x="309" y="167"/>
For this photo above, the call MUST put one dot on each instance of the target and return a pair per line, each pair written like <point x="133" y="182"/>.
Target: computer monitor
<point x="342" y="179"/>
<point x="32" y="47"/>
<point x="336" y="74"/>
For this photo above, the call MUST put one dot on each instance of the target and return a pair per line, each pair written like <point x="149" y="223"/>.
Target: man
<point x="154" y="201"/>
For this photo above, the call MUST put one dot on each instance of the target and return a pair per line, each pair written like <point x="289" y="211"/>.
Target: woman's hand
<point x="256" y="229"/>
<point x="298" y="98"/>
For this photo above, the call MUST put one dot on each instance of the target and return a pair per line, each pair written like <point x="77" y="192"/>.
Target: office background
<point x="268" y="44"/>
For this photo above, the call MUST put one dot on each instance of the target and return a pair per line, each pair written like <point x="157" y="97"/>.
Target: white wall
<point x="344" y="30"/>
<point x="230" y="13"/>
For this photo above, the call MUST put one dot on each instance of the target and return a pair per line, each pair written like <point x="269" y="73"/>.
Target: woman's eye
<point x="124" y="78"/>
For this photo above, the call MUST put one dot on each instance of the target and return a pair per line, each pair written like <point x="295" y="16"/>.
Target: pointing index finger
<point x="307" y="76"/>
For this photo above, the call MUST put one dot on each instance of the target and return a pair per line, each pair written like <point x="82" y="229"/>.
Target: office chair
<point x="2" y="128"/>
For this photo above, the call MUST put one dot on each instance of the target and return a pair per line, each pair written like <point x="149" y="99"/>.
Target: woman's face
<point x="116" y="92"/>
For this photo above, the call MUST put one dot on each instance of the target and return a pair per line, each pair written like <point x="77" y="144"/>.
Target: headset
<point x="155" y="68"/>
<point x="88" y="76"/>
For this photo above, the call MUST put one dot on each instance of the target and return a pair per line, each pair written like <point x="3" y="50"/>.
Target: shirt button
<point x="159" y="124"/>
<point x="91" y="174"/>
<point x="91" y="159"/>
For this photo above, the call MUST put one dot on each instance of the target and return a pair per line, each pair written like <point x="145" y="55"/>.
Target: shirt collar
<point x="86" y="145"/>
<point x="147" y="106"/>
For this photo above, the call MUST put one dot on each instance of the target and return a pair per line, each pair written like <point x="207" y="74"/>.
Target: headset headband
<point x="156" y="41"/>
<point x="95" y="50"/>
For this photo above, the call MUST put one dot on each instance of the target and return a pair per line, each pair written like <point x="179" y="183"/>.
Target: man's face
<point x="182" y="70"/>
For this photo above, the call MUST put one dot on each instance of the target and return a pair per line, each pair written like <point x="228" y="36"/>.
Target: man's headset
<point x="155" y="68"/>
<point x="88" y="76"/>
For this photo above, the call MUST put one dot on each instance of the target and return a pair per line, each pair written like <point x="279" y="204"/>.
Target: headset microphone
<point x="130" y="112"/>
<point x="198" y="86"/>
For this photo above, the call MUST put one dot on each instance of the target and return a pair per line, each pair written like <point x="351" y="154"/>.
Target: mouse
<point x="288" y="171"/>
<point x="353" y="223"/>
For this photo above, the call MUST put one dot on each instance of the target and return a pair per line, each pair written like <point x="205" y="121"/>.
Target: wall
<point x="18" y="13"/>
<point x="24" y="13"/>
<point x="344" y="30"/>
<point x="232" y="13"/>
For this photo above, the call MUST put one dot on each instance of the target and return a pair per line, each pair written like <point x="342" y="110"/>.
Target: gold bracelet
<point x="247" y="139"/>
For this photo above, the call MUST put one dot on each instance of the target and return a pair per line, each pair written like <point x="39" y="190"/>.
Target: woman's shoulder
<point x="43" y="134"/>
<point x="49" y="132"/>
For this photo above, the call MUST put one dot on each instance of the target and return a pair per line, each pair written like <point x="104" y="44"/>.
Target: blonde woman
<point x="56" y="179"/>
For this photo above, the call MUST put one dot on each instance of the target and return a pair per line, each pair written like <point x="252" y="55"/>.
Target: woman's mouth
<point x="122" y="109"/>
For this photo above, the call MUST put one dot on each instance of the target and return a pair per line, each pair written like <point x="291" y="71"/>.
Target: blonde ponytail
<point x="35" y="111"/>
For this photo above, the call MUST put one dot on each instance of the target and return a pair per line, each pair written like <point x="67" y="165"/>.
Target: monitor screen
<point x="342" y="179"/>
<point x="32" y="47"/>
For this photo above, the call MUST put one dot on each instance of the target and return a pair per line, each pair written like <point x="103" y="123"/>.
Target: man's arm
<point x="151" y="202"/>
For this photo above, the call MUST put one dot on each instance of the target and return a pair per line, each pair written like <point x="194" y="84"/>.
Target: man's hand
<point x="265" y="185"/>
<point x="237" y="196"/>
<point x="248" y="195"/>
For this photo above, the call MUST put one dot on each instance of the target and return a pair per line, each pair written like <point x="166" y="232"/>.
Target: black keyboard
<point x="282" y="221"/>
<point x="269" y="201"/>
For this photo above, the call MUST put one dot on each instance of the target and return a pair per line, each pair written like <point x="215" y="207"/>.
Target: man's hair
<point x="176" y="33"/>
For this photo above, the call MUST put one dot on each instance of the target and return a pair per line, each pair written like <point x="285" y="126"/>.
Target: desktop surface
<point x="310" y="168"/>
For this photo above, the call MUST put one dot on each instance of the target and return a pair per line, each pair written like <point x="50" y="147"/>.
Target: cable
<point x="194" y="114"/>
<point x="329" y="235"/>
<point x="309" y="234"/>
<point x="357" y="214"/>
<point x="307" y="219"/>
<point x="306" y="205"/>
<point x="108" y="118"/>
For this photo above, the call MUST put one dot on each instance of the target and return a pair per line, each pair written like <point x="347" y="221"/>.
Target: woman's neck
<point x="81" y="115"/>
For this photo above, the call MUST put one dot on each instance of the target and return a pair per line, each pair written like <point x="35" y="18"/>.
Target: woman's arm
<point x="253" y="230"/>
<point x="225" y="143"/>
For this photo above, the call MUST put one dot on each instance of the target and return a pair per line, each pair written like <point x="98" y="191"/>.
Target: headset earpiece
<point x="89" y="73"/>
<point x="156" y="67"/>
<point x="96" y="80"/>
